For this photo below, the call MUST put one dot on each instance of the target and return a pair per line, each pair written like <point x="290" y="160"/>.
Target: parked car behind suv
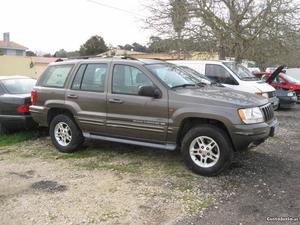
<point x="283" y="81"/>
<point x="14" y="103"/>
<point x="232" y="75"/>
<point x="149" y="103"/>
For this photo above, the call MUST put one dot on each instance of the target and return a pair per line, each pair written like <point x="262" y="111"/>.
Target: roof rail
<point x="96" y="56"/>
<point x="125" y="57"/>
<point x="86" y="57"/>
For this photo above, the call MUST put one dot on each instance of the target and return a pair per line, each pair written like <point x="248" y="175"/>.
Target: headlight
<point x="251" y="115"/>
<point x="290" y="94"/>
<point x="262" y="94"/>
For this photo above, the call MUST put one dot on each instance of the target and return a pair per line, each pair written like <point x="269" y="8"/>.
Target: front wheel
<point x="207" y="150"/>
<point x="65" y="134"/>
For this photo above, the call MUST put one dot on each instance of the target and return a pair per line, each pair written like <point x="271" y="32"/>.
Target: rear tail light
<point x="23" y="108"/>
<point x="33" y="97"/>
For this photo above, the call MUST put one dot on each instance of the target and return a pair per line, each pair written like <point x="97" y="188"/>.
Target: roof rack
<point x="105" y="57"/>
<point x="95" y="56"/>
<point x="86" y="57"/>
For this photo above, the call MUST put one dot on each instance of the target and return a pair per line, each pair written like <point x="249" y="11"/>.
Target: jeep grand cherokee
<point x="149" y="103"/>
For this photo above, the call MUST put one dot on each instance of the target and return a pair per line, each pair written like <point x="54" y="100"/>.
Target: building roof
<point x="12" y="45"/>
<point x="43" y="60"/>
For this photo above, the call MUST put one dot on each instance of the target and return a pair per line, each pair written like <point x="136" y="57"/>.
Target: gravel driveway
<point x="119" y="184"/>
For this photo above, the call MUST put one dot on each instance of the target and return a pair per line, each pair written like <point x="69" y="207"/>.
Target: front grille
<point x="272" y="94"/>
<point x="298" y="94"/>
<point x="268" y="112"/>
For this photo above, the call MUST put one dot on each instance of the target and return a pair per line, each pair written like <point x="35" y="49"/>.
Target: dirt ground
<point x="118" y="184"/>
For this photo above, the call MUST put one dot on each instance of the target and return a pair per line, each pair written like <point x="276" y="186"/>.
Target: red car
<point x="283" y="81"/>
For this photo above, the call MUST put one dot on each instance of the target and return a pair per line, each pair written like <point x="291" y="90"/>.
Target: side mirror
<point x="149" y="91"/>
<point x="230" y="81"/>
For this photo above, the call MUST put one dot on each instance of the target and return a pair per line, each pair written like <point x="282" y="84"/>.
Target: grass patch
<point x="278" y="138"/>
<point x="15" y="138"/>
<point x="194" y="205"/>
<point x="183" y="186"/>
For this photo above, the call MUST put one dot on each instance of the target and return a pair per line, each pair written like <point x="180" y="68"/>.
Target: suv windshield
<point x="242" y="72"/>
<point x="19" y="86"/>
<point x="194" y="73"/>
<point x="173" y="76"/>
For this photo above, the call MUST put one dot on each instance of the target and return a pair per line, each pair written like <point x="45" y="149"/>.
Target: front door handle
<point x="117" y="101"/>
<point x="72" y="96"/>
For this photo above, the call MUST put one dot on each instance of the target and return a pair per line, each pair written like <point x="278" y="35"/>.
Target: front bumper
<point x="298" y="95"/>
<point x="16" y="122"/>
<point x="243" y="135"/>
<point x="275" y="102"/>
<point x="287" y="102"/>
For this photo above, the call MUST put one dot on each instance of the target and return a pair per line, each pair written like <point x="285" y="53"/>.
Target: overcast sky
<point x="49" y="25"/>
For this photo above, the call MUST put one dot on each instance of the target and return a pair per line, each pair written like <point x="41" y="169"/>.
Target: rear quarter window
<point x="56" y="76"/>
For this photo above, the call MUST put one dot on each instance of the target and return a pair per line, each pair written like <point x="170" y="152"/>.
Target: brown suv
<point x="149" y="103"/>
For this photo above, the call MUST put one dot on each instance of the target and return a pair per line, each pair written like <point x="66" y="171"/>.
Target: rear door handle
<point x="117" y="101"/>
<point x="72" y="96"/>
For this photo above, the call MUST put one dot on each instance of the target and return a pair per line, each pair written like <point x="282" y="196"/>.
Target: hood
<point x="275" y="74"/>
<point x="214" y="95"/>
<point x="260" y="86"/>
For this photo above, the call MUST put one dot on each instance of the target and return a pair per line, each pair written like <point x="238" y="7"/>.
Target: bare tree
<point x="179" y="17"/>
<point x="234" y="25"/>
<point x="238" y="23"/>
<point x="169" y="19"/>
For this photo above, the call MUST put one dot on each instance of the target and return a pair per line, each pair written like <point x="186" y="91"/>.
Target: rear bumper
<point x="39" y="115"/>
<point x="17" y="122"/>
<point x="243" y="135"/>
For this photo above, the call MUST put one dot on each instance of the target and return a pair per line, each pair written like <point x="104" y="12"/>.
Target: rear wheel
<point x="207" y="150"/>
<point x="65" y="134"/>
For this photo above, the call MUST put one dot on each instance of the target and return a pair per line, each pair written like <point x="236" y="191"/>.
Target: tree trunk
<point x="238" y="53"/>
<point x="221" y="50"/>
<point x="178" y="43"/>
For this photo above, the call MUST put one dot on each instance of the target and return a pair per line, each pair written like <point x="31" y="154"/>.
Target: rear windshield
<point x="19" y="86"/>
<point x="55" y="76"/>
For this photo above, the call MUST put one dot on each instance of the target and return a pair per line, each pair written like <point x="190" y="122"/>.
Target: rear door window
<point x="56" y="76"/>
<point x="90" y="77"/>
<point x="78" y="77"/>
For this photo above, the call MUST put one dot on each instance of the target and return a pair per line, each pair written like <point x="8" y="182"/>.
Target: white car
<point x="232" y="75"/>
<point x="293" y="72"/>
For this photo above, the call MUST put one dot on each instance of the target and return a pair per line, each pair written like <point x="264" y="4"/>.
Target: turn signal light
<point x="33" y="97"/>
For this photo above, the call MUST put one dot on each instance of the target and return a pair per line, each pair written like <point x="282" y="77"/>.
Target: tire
<point x="3" y="129"/>
<point x="65" y="134"/>
<point x="218" y="158"/>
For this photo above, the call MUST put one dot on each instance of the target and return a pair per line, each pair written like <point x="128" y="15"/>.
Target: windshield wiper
<point x="249" y="78"/>
<point x="216" y="83"/>
<point x="202" y="84"/>
<point x="182" y="85"/>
